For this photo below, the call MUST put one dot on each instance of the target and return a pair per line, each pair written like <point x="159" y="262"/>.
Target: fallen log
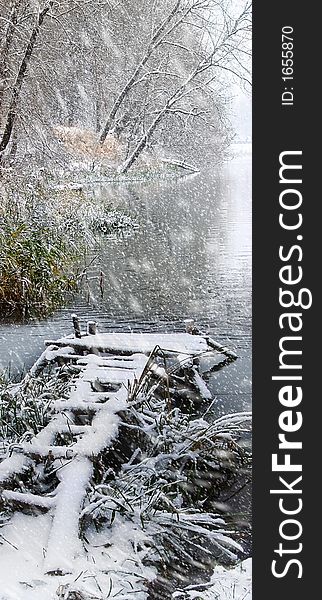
<point x="181" y="164"/>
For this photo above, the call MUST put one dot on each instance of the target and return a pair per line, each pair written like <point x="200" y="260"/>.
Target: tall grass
<point x="37" y="251"/>
<point x="35" y="266"/>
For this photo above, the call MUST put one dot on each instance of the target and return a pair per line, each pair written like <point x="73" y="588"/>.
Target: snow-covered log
<point x="64" y="544"/>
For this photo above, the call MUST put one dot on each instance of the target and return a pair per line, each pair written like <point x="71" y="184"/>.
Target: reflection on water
<point x="191" y="257"/>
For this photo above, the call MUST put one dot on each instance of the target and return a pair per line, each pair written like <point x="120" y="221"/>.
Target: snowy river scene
<point x="125" y="300"/>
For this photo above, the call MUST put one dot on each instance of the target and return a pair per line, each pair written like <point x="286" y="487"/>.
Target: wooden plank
<point x="145" y="343"/>
<point x="64" y="544"/>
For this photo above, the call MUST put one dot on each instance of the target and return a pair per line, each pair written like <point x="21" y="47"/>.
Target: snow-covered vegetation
<point x="128" y="492"/>
<point x="44" y="236"/>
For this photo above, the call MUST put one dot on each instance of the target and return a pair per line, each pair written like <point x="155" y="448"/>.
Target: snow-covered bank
<point x="98" y="573"/>
<point x="225" y="584"/>
<point x="128" y="474"/>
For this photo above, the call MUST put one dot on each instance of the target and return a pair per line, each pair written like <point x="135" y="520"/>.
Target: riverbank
<point x="225" y="584"/>
<point x="46" y="234"/>
<point x="48" y="225"/>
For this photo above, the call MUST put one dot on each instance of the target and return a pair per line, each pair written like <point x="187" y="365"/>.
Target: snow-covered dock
<point x="106" y="373"/>
<point x="108" y="367"/>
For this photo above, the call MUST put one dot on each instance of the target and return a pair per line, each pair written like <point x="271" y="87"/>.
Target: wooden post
<point x="91" y="328"/>
<point x="76" y="326"/>
<point x="191" y="326"/>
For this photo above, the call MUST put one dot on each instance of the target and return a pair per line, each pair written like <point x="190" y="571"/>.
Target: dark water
<point x="189" y="258"/>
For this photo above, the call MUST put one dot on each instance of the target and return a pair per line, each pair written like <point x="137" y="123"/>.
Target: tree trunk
<point x="143" y="141"/>
<point x="12" y="112"/>
<point x="5" y="46"/>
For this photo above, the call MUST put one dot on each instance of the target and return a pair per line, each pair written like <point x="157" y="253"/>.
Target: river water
<point x="189" y="258"/>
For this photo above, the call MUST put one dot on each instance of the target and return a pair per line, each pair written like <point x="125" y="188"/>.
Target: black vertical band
<point x="288" y="124"/>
